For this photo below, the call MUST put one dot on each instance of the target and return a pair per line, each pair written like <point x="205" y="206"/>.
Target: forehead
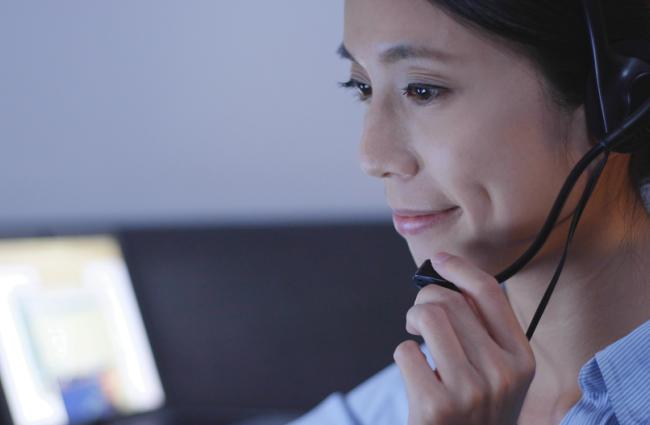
<point x="372" y="26"/>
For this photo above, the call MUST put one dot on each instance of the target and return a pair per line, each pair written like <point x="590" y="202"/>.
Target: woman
<point x="475" y="112"/>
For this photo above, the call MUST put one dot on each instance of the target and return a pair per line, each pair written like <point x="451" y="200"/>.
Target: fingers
<point x="432" y="323"/>
<point x="489" y="299"/>
<point x="478" y="345"/>
<point x="483" y="360"/>
<point x="417" y="375"/>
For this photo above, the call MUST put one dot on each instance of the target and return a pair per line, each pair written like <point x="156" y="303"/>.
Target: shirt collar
<point x="625" y="369"/>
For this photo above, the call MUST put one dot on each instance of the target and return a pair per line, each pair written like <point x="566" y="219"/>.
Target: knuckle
<point x="425" y="314"/>
<point x="498" y="359"/>
<point x="488" y="287"/>
<point x="528" y="371"/>
<point x="431" y="315"/>
<point x="412" y="315"/>
<point x="424" y="294"/>
<point x="527" y="366"/>
<point x="474" y="395"/>
<point x="472" y="401"/>
<point x="413" y="320"/>
<point x="405" y="349"/>
<point x="435" y="294"/>
<point x="452" y="299"/>
<point x="503" y="384"/>
<point x="433" y="412"/>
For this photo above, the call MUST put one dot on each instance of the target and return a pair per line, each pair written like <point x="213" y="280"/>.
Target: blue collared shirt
<point x="615" y="386"/>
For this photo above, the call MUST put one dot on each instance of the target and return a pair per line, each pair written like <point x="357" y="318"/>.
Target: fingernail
<point x="440" y="258"/>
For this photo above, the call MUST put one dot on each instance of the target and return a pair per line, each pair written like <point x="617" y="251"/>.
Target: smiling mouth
<point x="415" y="223"/>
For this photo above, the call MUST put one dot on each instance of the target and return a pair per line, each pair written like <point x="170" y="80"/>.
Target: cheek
<point x="523" y="188"/>
<point x="463" y="156"/>
<point x="501" y="166"/>
<point x="525" y="172"/>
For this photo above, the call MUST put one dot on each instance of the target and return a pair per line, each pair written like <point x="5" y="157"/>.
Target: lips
<point x="410" y="222"/>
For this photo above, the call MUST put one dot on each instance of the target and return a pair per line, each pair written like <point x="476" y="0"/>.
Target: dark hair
<point x="553" y="34"/>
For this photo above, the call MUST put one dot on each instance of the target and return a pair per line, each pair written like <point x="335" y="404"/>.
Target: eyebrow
<point x="401" y="52"/>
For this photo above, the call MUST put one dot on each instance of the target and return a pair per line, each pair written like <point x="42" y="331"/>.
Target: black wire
<point x="554" y="213"/>
<point x="586" y="194"/>
<point x="636" y="126"/>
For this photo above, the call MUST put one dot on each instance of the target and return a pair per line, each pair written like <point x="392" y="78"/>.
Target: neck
<point x="603" y="292"/>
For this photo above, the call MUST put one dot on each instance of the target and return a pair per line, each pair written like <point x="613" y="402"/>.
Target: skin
<point x="494" y="144"/>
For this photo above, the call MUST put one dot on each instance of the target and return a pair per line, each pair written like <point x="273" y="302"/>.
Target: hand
<point x="484" y="363"/>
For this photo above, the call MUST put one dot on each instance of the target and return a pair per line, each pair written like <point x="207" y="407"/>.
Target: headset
<point x="617" y="109"/>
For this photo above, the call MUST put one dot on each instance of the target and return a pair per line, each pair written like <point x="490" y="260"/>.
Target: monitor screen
<point x="73" y="347"/>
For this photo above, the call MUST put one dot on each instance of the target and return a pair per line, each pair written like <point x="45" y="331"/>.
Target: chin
<point x="421" y="251"/>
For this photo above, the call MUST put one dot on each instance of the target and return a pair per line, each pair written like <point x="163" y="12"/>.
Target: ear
<point x="580" y="140"/>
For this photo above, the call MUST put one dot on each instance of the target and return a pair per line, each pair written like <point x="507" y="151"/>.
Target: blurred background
<point x="210" y="139"/>
<point x="147" y="112"/>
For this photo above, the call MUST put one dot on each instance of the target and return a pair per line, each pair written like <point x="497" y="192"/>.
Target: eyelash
<point x="409" y="90"/>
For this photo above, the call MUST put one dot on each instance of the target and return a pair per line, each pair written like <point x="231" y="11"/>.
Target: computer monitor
<point x="73" y="347"/>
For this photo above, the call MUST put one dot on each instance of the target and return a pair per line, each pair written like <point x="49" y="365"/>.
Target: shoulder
<point x="614" y="382"/>
<point x="625" y="370"/>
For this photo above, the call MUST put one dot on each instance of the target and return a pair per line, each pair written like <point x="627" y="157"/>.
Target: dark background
<point x="247" y="321"/>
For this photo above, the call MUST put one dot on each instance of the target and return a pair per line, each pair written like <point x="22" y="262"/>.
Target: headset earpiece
<point x="618" y="85"/>
<point x="625" y="87"/>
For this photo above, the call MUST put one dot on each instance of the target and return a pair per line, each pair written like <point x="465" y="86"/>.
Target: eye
<point x="423" y="93"/>
<point x="363" y="90"/>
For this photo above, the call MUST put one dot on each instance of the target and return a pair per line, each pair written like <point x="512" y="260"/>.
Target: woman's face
<point x="456" y="120"/>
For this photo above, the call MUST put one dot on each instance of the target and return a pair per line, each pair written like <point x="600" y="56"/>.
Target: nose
<point x="385" y="150"/>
